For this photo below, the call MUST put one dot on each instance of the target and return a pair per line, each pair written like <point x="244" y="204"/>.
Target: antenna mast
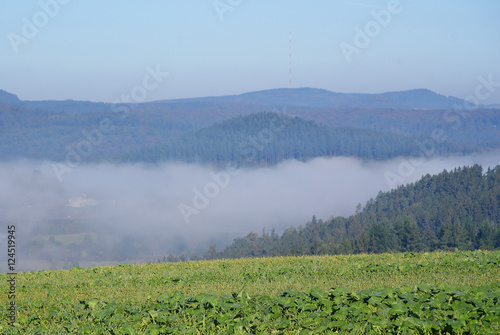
<point x="290" y="58"/>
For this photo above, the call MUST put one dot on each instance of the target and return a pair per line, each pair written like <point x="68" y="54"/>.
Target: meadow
<point x="405" y="293"/>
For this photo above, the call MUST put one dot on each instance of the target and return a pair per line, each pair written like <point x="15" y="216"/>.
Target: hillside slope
<point x="45" y="129"/>
<point x="320" y="98"/>
<point x="455" y="209"/>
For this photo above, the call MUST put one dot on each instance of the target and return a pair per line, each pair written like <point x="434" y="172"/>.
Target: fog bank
<point x="151" y="211"/>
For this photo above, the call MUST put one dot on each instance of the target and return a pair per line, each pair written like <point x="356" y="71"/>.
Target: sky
<point x="99" y="50"/>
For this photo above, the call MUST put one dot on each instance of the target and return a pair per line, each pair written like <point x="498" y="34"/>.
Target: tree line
<point x="266" y="138"/>
<point x="459" y="209"/>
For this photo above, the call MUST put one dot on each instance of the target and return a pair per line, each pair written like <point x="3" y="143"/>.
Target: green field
<point x="455" y="293"/>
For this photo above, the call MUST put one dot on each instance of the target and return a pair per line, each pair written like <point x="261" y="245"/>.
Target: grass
<point x="41" y="293"/>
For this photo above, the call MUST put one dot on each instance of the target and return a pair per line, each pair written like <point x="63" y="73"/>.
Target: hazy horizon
<point x="240" y="93"/>
<point x="61" y="49"/>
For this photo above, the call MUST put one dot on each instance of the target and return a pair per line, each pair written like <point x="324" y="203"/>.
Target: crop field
<point x="425" y="293"/>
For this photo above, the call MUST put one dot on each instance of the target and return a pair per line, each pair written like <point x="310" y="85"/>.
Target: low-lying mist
<point x="130" y="213"/>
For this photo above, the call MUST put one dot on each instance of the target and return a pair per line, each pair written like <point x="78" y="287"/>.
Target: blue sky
<point x="98" y="50"/>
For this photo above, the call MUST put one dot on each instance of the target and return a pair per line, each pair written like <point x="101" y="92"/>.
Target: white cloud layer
<point x="144" y="201"/>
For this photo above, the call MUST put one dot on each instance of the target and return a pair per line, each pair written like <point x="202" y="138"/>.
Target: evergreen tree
<point x="451" y="210"/>
<point x="211" y="253"/>
<point x="413" y="241"/>
<point x="382" y="235"/>
<point x="486" y="235"/>
<point x="362" y="243"/>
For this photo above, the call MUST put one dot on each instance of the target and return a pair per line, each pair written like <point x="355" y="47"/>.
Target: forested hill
<point x="38" y="134"/>
<point x="320" y="98"/>
<point x="455" y="209"/>
<point x="269" y="138"/>
<point x="298" y="97"/>
<point x="46" y="129"/>
<point x="50" y="129"/>
<point x="8" y="98"/>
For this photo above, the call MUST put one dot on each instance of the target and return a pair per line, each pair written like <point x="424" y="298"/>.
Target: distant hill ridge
<point x="320" y="98"/>
<point x="8" y="98"/>
<point x="281" y="97"/>
<point x="45" y="129"/>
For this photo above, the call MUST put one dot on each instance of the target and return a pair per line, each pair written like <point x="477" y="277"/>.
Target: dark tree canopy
<point x="459" y="209"/>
